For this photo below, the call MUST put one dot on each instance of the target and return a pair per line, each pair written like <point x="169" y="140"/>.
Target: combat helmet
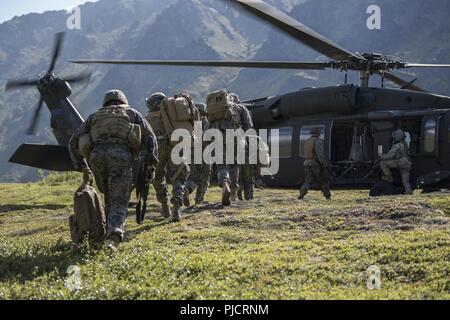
<point x="398" y="135"/>
<point x="154" y="100"/>
<point x="202" y="108"/>
<point x="114" y="96"/>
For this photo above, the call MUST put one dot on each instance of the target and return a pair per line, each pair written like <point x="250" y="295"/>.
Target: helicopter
<point x="356" y="121"/>
<point x="65" y="118"/>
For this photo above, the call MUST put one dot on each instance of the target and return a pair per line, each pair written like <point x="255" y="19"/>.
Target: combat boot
<point x="226" y="193"/>
<point x="239" y="194"/>
<point x="165" y="210"/>
<point x="176" y="215"/>
<point x="302" y="194"/>
<point x="199" y="200"/>
<point x="112" y="244"/>
<point x="234" y="196"/>
<point x="186" y="200"/>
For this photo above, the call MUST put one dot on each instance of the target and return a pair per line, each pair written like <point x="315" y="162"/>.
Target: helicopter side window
<point x="305" y="134"/>
<point x="285" y="142"/>
<point x="429" y="142"/>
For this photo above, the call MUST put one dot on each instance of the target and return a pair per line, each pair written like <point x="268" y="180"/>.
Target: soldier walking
<point x="397" y="158"/>
<point x="112" y="148"/>
<point x="200" y="173"/>
<point x="316" y="166"/>
<point x="248" y="173"/>
<point x="228" y="113"/>
<point x="177" y="173"/>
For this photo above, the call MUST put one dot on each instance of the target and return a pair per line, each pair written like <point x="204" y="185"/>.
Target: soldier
<point x="246" y="181"/>
<point x="228" y="174"/>
<point x="316" y="166"/>
<point x="250" y="173"/>
<point x="111" y="156"/>
<point x="397" y="158"/>
<point x="200" y="173"/>
<point x="177" y="173"/>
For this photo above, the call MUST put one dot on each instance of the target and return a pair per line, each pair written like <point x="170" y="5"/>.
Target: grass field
<point x="273" y="248"/>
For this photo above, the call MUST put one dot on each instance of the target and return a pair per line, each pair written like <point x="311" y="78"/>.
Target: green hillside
<point x="273" y="248"/>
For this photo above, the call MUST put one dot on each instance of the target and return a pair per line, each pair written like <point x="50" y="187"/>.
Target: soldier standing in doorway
<point x="397" y="158"/>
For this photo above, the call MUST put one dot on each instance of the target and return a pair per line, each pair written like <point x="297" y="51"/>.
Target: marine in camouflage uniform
<point x="397" y="158"/>
<point x="249" y="173"/>
<point x="166" y="168"/>
<point x="315" y="165"/>
<point x="228" y="174"/>
<point x="246" y="181"/>
<point x="111" y="162"/>
<point x="200" y="175"/>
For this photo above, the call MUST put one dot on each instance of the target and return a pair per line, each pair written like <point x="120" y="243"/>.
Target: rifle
<point x="142" y="189"/>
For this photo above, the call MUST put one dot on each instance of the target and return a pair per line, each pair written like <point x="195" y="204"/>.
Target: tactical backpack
<point x="156" y="122"/>
<point x="179" y="113"/>
<point x="89" y="220"/>
<point x="114" y="122"/>
<point x="220" y="105"/>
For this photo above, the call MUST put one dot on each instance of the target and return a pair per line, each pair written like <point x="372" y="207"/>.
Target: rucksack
<point x="156" y="122"/>
<point x="88" y="220"/>
<point x="219" y="105"/>
<point x="179" y="113"/>
<point x="114" y="122"/>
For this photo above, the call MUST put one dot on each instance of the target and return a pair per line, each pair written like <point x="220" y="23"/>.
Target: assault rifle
<point x="142" y="189"/>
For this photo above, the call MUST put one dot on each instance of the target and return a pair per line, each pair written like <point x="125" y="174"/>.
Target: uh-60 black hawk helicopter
<point x="356" y="121"/>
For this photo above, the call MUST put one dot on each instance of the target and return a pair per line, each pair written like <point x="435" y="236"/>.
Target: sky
<point x="11" y="8"/>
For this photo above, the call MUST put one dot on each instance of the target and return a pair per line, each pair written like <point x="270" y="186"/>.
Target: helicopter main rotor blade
<point x="59" y="40"/>
<point x="83" y="77"/>
<point x="32" y="128"/>
<point x="225" y="64"/>
<point x="401" y="82"/>
<point x="426" y="65"/>
<point x="298" y="30"/>
<point x="14" y="84"/>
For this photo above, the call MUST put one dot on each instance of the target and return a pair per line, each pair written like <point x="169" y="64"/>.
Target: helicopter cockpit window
<point x="305" y="134"/>
<point x="429" y="142"/>
<point x="285" y="142"/>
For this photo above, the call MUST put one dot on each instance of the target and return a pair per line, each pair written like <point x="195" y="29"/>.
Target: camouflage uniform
<point x="200" y="173"/>
<point x="249" y="173"/>
<point x="176" y="173"/>
<point x="246" y="181"/>
<point x="227" y="173"/>
<point x="397" y="158"/>
<point x="111" y="162"/>
<point x="315" y="165"/>
<point x="166" y="168"/>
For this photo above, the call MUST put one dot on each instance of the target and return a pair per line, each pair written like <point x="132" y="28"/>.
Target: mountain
<point x="201" y="29"/>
